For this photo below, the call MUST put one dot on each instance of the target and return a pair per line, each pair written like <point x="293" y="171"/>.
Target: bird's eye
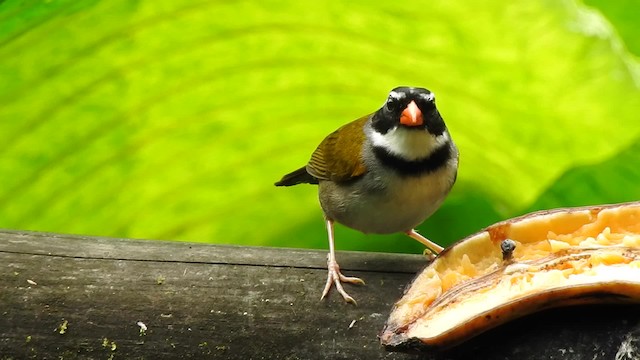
<point x="393" y="103"/>
<point x="430" y="97"/>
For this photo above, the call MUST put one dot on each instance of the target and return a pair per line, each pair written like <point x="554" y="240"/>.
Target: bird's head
<point x="411" y="108"/>
<point x="409" y="124"/>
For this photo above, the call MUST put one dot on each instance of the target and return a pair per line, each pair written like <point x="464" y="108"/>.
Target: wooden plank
<point x="196" y="300"/>
<point x="220" y="302"/>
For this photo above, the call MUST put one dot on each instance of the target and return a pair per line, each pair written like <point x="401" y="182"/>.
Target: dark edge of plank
<point x="94" y="247"/>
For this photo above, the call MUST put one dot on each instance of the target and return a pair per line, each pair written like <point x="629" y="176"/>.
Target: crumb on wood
<point x="111" y="345"/>
<point x="63" y="327"/>
<point x="143" y="328"/>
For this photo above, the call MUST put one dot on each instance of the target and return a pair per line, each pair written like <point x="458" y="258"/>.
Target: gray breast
<point x="383" y="202"/>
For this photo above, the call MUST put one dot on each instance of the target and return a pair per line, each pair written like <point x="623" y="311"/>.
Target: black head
<point x="410" y="107"/>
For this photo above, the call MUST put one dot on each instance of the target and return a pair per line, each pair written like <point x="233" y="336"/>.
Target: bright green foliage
<point x="624" y="15"/>
<point x="172" y="119"/>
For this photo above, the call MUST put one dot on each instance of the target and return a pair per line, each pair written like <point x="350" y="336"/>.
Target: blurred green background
<point x="173" y="119"/>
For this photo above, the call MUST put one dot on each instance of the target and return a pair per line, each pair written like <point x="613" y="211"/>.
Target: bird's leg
<point x="434" y="248"/>
<point x="334" y="276"/>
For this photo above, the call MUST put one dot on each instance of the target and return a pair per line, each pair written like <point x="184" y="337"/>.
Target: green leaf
<point x="623" y="15"/>
<point x="614" y="180"/>
<point x="172" y="119"/>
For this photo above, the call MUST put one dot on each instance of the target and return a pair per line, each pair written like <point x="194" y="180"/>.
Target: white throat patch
<point x="409" y="144"/>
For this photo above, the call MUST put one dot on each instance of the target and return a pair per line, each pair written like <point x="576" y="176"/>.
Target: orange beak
<point x="411" y="115"/>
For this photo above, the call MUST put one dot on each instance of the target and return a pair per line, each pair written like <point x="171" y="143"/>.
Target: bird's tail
<point x="300" y="176"/>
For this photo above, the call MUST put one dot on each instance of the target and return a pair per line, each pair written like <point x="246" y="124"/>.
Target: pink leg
<point x="433" y="247"/>
<point x="334" y="275"/>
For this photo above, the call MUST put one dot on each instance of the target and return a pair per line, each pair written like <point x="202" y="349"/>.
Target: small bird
<point x="384" y="173"/>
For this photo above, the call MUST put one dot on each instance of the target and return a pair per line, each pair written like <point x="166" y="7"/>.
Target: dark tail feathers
<point x="300" y="176"/>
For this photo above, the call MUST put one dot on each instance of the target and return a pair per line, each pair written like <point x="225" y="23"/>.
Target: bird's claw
<point x="334" y="276"/>
<point x="429" y="254"/>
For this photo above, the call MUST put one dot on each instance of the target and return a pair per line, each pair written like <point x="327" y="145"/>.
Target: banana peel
<point x="516" y="267"/>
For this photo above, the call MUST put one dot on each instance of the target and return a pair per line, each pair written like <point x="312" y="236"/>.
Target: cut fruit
<point x="516" y="267"/>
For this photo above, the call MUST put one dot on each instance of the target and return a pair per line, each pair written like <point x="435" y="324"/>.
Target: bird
<point x="383" y="173"/>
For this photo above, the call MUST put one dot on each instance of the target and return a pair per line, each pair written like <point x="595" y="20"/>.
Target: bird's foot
<point x="428" y="253"/>
<point x="334" y="276"/>
<point x="433" y="248"/>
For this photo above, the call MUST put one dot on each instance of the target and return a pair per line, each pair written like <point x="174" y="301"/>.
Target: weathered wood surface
<point x="224" y="302"/>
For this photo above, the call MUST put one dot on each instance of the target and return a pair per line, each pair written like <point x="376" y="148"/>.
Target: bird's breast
<point x="385" y="203"/>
